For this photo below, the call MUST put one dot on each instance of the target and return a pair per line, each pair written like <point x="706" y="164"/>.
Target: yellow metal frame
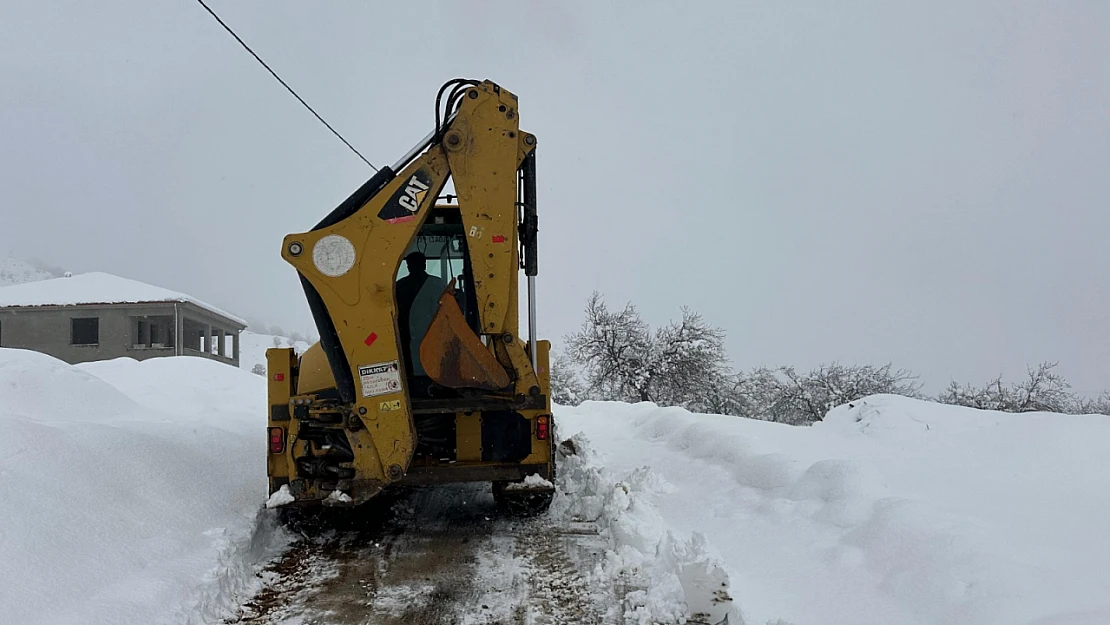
<point x="481" y="151"/>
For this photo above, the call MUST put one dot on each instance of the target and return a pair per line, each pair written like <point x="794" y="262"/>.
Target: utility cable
<point x="284" y="84"/>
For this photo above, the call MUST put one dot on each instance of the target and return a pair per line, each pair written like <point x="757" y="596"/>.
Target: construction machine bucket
<point x="453" y="356"/>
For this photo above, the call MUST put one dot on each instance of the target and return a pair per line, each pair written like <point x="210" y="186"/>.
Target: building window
<point x="86" y="331"/>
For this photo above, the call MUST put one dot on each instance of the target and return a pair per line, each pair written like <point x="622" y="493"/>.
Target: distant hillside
<point x="16" y="271"/>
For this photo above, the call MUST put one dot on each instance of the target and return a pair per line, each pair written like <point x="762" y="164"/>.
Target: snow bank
<point x="890" y="511"/>
<point x="206" y="392"/>
<point x="131" y="491"/>
<point x="662" y="579"/>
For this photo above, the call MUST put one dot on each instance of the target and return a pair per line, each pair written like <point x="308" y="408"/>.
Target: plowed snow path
<point x="433" y="555"/>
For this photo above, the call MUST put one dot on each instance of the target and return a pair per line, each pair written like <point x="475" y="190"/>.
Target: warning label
<point x="380" y="379"/>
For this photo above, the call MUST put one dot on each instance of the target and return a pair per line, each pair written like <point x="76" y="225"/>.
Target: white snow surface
<point x="280" y="497"/>
<point x="131" y="492"/>
<point x="661" y="578"/>
<point x="134" y="493"/>
<point x="890" y="511"/>
<point x="338" y="496"/>
<point x="96" y="288"/>
<point x="530" y="482"/>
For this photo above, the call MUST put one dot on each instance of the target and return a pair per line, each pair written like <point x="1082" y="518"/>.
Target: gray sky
<point x="847" y="181"/>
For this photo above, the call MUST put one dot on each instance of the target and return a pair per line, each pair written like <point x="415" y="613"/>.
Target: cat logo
<point x="407" y="199"/>
<point x="414" y="194"/>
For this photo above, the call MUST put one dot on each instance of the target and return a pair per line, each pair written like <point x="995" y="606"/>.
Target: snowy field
<point x="890" y="511"/>
<point x="132" y="494"/>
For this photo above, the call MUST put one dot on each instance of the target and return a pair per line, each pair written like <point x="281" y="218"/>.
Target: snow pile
<point x="96" y="288"/>
<point x="663" y="579"/>
<point x="253" y="346"/>
<point x="337" y="497"/>
<point x="16" y="271"/>
<point x="207" y="392"/>
<point x="531" y="482"/>
<point x="890" y="511"/>
<point x="131" y="491"/>
<point x="280" y="497"/>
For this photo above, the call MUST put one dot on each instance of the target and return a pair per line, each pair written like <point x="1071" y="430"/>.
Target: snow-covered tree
<point x="567" y="387"/>
<point x="786" y="396"/>
<point x="616" y="355"/>
<point x="687" y="363"/>
<point x="1042" y="391"/>
<point x="611" y="347"/>
<point x="762" y="394"/>
<point x="623" y="359"/>
<point x="1086" y="405"/>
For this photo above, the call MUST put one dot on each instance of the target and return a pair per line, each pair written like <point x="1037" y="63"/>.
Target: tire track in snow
<point x="430" y="555"/>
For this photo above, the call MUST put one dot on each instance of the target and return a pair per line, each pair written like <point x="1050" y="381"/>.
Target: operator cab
<point x="436" y="256"/>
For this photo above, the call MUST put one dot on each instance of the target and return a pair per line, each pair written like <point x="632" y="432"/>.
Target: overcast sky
<point x="847" y="181"/>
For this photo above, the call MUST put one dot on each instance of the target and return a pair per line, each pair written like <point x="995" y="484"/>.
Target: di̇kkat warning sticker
<point x="382" y="378"/>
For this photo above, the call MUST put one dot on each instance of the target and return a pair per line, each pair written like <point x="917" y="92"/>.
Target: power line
<point x="283" y="83"/>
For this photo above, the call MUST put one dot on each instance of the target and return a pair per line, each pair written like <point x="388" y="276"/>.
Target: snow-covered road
<point x="432" y="555"/>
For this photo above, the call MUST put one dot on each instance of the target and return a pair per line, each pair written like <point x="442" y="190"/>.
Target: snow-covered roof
<point x="96" y="288"/>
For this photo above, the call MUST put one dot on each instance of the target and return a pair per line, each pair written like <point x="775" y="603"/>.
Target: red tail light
<point x="279" y="377"/>
<point x="277" y="440"/>
<point x="543" y="428"/>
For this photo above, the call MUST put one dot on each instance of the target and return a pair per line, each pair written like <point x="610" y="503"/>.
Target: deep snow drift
<point x="129" y="492"/>
<point x="891" y="511"/>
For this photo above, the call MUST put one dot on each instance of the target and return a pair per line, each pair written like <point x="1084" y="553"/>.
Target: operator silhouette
<point x="417" y="301"/>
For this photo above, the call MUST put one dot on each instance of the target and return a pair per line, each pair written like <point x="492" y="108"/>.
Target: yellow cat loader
<point x="421" y="375"/>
